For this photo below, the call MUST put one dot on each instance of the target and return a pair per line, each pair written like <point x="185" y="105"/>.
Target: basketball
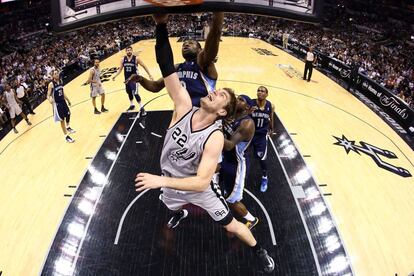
<point x="174" y="3"/>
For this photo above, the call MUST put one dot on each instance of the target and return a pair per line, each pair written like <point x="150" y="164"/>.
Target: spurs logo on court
<point x="264" y="52"/>
<point x="182" y="154"/>
<point x="106" y="74"/>
<point x="373" y="152"/>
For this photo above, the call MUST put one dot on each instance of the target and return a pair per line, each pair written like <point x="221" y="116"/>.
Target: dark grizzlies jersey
<point x="130" y="66"/>
<point x="196" y="82"/>
<point x="238" y="152"/>
<point x="57" y="92"/>
<point x="261" y="118"/>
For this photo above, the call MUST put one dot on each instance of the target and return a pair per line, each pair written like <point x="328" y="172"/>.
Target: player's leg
<point x="64" y="113"/>
<point x="213" y="202"/>
<point x="259" y="143"/>
<point x="95" y="110"/>
<point x="130" y="91"/>
<point x="175" y="202"/>
<point x="138" y="99"/>
<point x="103" y="109"/>
<point x="65" y="132"/>
<point x="260" y="152"/>
<point x="63" y="127"/>
<point x="12" y="114"/>
<point x="244" y="234"/>
<point x="234" y="178"/>
<point x="240" y="209"/>
<point x="13" y="124"/>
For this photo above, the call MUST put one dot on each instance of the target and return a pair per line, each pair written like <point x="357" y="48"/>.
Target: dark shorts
<point x="259" y="144"/>
<point x="233" y="179"/>
<point x="60" y="111"/>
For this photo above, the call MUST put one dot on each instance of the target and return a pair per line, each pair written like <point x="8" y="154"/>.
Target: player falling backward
<point x="192" y="146"/>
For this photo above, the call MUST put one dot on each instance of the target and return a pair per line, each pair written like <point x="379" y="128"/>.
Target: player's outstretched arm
<point x="198" y="183"/>
<point x="150" y="85"/>
<point x="165" y="60"/>
<point x="140" y="62"/>
<point x="244" y="133"/>
<point x="211" y="48"/>
<point x="121" y="66"/>
<point x="67" y="99"/>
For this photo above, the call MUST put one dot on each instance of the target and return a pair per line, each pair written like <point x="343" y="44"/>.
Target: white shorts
<point x="210" y="200"/>
<point x="96" y="90"/>
<point x="14" y="110"/>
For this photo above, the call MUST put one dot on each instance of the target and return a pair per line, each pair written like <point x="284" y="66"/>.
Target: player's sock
<point x="251" y="224"/>
<point x="249" y="217"/>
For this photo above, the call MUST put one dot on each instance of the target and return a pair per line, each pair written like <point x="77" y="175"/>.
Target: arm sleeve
<point x="163" y="51"/>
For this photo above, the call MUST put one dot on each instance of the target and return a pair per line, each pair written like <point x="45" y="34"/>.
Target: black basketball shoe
<point x="69" y="139"/>
<point x="143" y="112"/>
<point x="175" y="220"/>
<point x="70" y="130"/>
<point x="267" y="261"/>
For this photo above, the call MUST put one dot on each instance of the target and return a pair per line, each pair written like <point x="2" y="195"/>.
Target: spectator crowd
<point x="380" y="45"/>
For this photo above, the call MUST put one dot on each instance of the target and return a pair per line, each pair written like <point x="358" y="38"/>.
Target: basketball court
<point x="340" y="198"/>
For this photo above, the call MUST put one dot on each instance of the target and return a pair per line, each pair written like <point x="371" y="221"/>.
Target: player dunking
<point x="58" y="99"/>
<point x="192" y="147"/>
<point x="130" y="64"/>
<point x="96" y="87"/>
<point x="263" y="119"/>
<point x="197" y="73"/>
<point x="238" y="134"/>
